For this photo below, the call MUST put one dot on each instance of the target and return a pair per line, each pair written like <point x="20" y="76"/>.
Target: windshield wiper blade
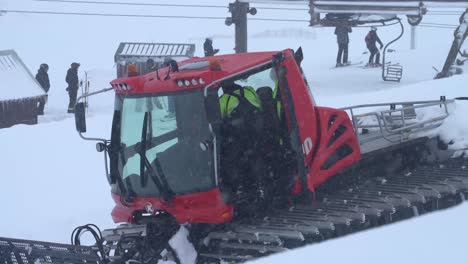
<point x="157" y="176"/>
<point x="125" y="188"/>
<point x="159" y="179"/>
<point x="142" y="147"/>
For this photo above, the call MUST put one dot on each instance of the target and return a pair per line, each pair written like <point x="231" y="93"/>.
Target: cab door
<point x="323" y="138"/>
<point x="299" y="112"/>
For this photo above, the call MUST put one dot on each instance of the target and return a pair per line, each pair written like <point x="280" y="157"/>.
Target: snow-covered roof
<point x="16" y="80"/>
<point x="127" y="50"/>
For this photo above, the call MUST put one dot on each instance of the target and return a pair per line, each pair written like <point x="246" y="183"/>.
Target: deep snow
<point x="53" y="181"/>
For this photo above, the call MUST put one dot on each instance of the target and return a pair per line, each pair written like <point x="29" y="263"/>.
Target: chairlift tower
<point x="239" y="11"/>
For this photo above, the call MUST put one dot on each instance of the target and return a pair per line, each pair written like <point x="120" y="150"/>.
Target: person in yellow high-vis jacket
<point x="241" y="164"/>
<point x="233" y="94"/>
<point x="276" y="96"/>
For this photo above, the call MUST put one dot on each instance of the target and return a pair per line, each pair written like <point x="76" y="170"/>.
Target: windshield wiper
<point x="142" y="151"/>
<point x="157" y="176"/>
<point x="125" y="187"/>
<point x="159" y="179"/>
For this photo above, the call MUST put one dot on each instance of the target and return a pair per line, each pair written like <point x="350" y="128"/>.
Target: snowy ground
<point x="435" y="238"/>
<point x="53" y="181"/>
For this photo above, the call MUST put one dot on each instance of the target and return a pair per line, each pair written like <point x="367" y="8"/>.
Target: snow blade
<point x="18" y="251"/>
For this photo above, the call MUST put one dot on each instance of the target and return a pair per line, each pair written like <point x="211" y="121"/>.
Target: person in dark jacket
<point x="150" y="66"/>
<point x="208" y="47"/>
<point x="342" y="38"/>
<point x="43" y="79"/>
<point x="371" y="39"/>
<point x="72" y="89"/>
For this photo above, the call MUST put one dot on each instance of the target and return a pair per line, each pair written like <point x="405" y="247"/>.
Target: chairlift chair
<point x="392" y="72"/>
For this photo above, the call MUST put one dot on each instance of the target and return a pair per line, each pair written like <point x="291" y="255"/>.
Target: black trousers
<point x="72" y="94"/>
<point x="41" y="106"/>
<point x="373" y="52"/>
<point x="342" y="51"/>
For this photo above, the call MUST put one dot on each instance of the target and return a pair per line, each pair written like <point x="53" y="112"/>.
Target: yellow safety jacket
<point x="228" y="103"/>
<point x="277" y="100"/>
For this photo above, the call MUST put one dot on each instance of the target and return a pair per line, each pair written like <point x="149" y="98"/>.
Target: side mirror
<point x="80" y="117"/>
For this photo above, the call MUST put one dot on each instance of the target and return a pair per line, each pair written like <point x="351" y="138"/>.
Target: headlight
<point x="194" y="82"/>
<point x="187" y="83"/>
<point x="201" y="81"/>
<point x="180" y="83"/>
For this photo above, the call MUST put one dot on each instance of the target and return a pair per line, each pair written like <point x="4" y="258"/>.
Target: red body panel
<point x="314" y="131"/>
<point x="329" y="121"/>
<point x="204" y="207"/>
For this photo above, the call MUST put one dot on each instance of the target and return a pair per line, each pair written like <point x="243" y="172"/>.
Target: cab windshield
<point x="159" y="138"/>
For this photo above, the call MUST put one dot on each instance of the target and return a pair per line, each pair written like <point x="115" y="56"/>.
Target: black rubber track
<point x="377" y="201"/>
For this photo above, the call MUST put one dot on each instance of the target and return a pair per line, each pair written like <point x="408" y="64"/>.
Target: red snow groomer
<point x="236" y="147"/>
<point x="216" y="132"/>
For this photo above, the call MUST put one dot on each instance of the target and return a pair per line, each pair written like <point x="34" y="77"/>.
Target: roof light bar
<point x="190" y="82"/>
<point x="122" y="87"/>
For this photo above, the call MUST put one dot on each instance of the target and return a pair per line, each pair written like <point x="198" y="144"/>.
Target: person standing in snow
<point x="371" y="39"/>
<point x="208" y="48"/>
<point x="43" y="79"/>
<point x="342" y="38"/>
<point x="72" y="89"/>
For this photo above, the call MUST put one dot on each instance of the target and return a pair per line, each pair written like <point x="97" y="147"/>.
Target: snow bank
<point x="184" y="249"/>
<point x="454" y="131"/>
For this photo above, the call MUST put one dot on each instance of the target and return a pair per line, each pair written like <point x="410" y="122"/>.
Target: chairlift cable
<point x="439" y="24"/>
<point x="129" y="3"/>
<point x="430" y="26"/>
<point x="108" y="14"/>
<point x="164" y="4"/>
<point x="142" y="16"/>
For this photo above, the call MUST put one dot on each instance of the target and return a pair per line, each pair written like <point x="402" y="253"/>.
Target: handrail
<point x="395" y="103"/>
<point x="385" y="121"/>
